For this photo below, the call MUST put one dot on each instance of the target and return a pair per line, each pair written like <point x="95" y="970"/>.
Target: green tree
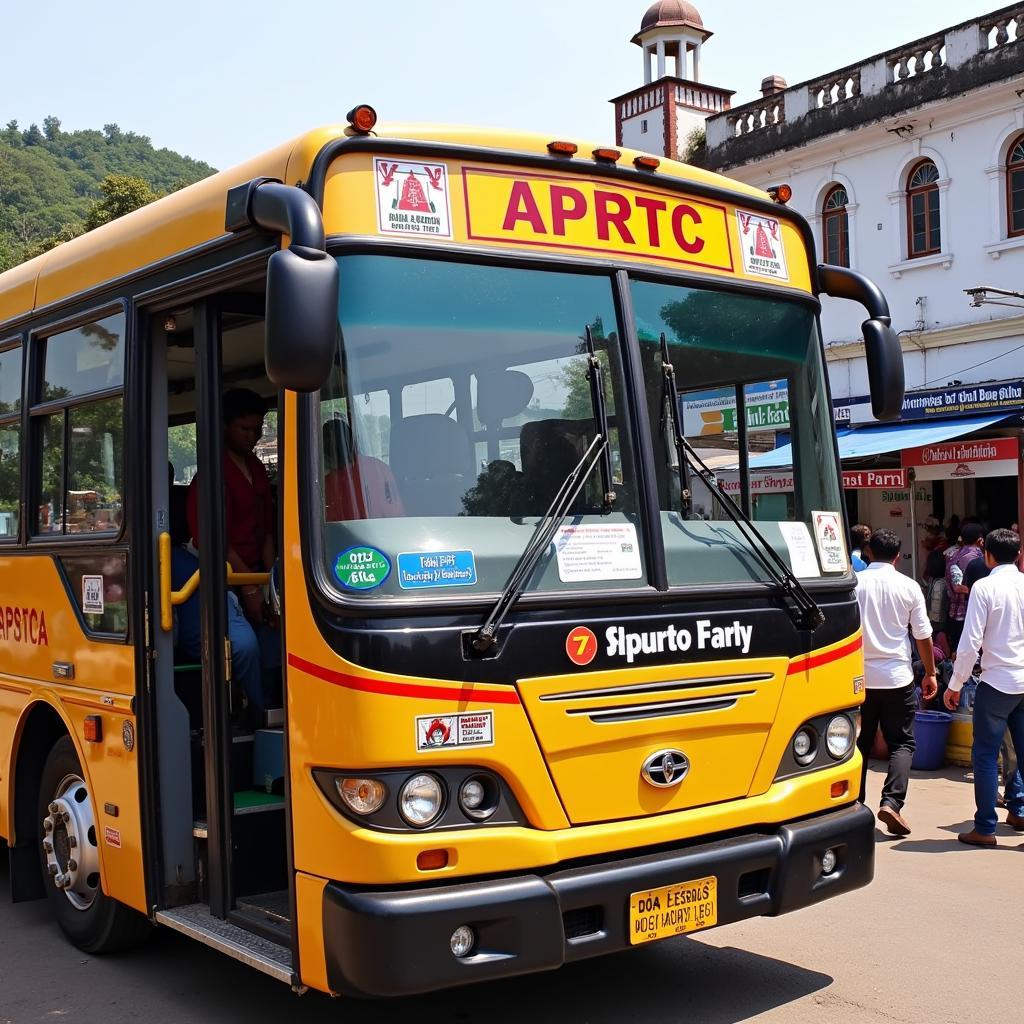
<point x="122" y="193"/>
<point x="32" y="136"/>
<point x="37" y="248"/>
<point x="112" y="132"/>
<point x="51" y="127"/>
<point x="12" y="134"/>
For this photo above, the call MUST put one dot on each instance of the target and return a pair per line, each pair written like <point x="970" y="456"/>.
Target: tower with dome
<point x="660" y="115"/>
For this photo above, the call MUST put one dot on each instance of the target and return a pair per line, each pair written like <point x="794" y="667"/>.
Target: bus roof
<point x="195" y="215"/>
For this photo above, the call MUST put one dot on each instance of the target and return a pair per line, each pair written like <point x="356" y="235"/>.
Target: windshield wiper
<point x="670" y="395"/>
<point x="804" y="610"/>
<point x="597" y="454"/>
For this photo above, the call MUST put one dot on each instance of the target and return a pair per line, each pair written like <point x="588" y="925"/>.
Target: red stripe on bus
<point x="810" y="661"/>
<point x="466" y="692"/>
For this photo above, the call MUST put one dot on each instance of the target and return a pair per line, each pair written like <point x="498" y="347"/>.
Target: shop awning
<point x="861" y="442"/>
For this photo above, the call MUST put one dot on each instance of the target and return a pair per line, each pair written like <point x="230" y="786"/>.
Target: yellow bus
<point x="475" y="667"/>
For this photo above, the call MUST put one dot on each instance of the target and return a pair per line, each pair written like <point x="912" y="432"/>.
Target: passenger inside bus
<point x="246" y="666"/>
<point x="249" y="522"/>
<point x="356" y="486"/>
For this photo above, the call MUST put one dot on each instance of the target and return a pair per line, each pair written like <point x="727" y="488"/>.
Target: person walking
<point x="994" y="625"/>
<point x="890" y="603"/>
<point x="971" y="544"/>
<point x="859" y="537"/>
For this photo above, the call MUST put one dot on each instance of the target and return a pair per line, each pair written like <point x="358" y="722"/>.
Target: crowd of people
<point x="966" y="620"/>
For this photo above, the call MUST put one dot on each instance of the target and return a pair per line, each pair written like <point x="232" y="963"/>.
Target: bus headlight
<point x="839" y="737"/>
<point x="478" y="797"/>
<point x="804" y="746"/>
<point x="421" y="800"/>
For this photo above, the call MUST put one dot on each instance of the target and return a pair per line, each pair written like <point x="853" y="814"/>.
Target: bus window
<point x="81" y="442"/>
<point x="717" y="342"/>
<point x="10" y="433"/>
<point x="473" y="458"/>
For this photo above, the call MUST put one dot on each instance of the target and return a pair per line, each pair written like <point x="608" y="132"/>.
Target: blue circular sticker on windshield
<point x="362" y="568"/>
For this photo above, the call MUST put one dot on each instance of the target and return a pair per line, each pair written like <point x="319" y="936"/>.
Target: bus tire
<point x="69" y="855"/>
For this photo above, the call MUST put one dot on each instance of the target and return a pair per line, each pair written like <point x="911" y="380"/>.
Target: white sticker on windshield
<point x="412" y="198"/>
<point x="761" y="244"/>
<point x="593" y="552"/>
<point x="828" y="532"/>
<point x="801" y="550"/>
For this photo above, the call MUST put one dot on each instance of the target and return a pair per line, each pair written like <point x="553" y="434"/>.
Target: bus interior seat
<point x="431" y="455"/>
<point x="550" y="450"/>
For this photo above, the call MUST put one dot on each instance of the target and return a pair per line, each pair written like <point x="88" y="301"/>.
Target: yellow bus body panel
<point x="103" y="685"/>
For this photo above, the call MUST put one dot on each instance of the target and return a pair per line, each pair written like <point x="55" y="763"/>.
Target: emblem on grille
<point x="666" y="768"/>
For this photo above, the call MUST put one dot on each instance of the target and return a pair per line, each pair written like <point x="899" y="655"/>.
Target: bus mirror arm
<point x="882" y="349"/>
<point x="302" y="281"/>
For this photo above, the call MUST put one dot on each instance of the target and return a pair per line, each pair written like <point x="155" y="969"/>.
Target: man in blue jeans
<point x="994" y="625"/>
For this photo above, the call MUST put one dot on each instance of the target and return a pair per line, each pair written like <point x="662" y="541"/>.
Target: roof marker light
<point x="646" y="163"/>
<point x="607" y="155"/>
<point x="559" y="148"/>
<point x="780" y="193"/>
<point x="362" y="118"/>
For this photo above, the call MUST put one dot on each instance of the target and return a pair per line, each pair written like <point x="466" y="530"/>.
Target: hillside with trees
<point x="55" y="184"/>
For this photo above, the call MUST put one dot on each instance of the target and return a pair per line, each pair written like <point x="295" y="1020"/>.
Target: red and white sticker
<point x="581" y="645"/>
<point x="112" y="837"/>
<point x="412" y="198"/>
<point x="761" y="244"/>
<point x="470" y="729"/>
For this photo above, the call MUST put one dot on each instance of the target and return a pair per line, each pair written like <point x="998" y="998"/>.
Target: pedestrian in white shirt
<point x="994" y="625"/>
<point x="890" y="604"/>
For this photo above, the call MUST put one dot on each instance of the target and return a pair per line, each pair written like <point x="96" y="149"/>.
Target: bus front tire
<point x="69" y="855"/>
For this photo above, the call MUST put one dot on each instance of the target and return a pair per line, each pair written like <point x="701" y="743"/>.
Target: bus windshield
<point x="732" y="351"/>
<point x="459" y="402"/>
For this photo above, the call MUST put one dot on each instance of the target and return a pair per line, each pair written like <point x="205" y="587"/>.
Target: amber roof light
<point x="560" y="148"/>
<point x="607" y="155"/>
<point x="362" y="118"/>
<point x="780" y="193"/>
<point x="646" y="163"/>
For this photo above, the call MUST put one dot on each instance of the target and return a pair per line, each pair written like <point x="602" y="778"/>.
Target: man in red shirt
<point x="356" y="486"/>
<point x="248" y="500"/>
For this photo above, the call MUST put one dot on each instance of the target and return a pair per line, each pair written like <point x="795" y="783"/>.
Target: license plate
<point x="673" y="910"/>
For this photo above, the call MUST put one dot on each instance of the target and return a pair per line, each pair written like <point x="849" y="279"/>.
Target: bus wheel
<point x="71" y="863"/>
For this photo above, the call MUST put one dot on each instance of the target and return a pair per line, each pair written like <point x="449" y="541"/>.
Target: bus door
<point x="214" y="739"/>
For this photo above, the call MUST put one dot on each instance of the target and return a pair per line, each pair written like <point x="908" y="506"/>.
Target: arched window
<point x="1015" y="188"/>
<point x="923" y="233"/>
<point x="835" y="226"/>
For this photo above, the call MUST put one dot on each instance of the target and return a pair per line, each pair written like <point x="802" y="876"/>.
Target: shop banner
<point x="940" y="402"/>
<point x="714" y="412"/>
<point x="782" y="483"/>
<point x="956" y="460"/>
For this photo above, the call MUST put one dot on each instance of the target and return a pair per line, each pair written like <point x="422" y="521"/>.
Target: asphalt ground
<point x="935" y="938"/>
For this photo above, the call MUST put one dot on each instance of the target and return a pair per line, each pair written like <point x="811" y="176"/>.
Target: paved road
<point x="935" y="939"/>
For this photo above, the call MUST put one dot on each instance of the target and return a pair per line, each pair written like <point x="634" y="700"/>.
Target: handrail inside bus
<point x="170" y="599"/>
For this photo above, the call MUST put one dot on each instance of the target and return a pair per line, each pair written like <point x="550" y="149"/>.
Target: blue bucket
<point x="931" y="730"/>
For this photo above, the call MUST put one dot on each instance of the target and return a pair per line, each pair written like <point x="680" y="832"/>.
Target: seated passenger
<point x="246" y="664"/>
<point x="356" y="486"/>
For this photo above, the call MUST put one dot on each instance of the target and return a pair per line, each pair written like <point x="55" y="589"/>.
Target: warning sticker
<point x="92" y="595"/>
<point x="412" y="198"/>
<point x="470" y="729"/>
<point x="829" y="534"/>
<point x="598" y="551"/>
<point x="761" y="245"/>
<point x="112" y="837"/>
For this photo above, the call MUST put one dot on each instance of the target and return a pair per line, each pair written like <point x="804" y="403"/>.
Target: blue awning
<point x="860" y="442"/>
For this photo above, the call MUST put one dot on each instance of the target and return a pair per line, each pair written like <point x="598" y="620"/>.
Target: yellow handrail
<point x="170" y="599"/>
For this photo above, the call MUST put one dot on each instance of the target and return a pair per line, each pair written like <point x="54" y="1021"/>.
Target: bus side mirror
<point x="885" y="369"/>
<point x="881" y="345"/>
<point x="302" y="317"/>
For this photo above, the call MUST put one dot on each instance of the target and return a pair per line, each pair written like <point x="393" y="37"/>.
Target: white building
<point x="910" y="167"/>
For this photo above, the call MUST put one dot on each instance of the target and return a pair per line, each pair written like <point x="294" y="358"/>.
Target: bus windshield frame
<point x="636" y="421"/>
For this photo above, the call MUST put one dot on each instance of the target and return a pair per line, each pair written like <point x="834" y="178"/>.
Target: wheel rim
<point x="69" y="842"/>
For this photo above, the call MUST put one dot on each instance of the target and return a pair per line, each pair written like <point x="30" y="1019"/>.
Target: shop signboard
<point x="782" y="482"/>
<point x="714" y="412"/>
<point x="964" y="460"/>
<point x="936" y="403"/>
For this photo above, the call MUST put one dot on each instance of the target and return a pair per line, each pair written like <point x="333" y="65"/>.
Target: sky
<point x="222" y="80"/>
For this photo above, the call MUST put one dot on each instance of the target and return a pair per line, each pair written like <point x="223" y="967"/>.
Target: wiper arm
<point x="805" y="611"/>
<point x="670" y="395"/>
<point x="543" y="533"/>
<point x="595" y="375"/>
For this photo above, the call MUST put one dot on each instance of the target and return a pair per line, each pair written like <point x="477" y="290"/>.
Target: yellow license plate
<point x="673" y="910"/>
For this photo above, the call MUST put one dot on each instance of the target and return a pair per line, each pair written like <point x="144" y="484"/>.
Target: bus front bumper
<point x="397" y="942"/>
